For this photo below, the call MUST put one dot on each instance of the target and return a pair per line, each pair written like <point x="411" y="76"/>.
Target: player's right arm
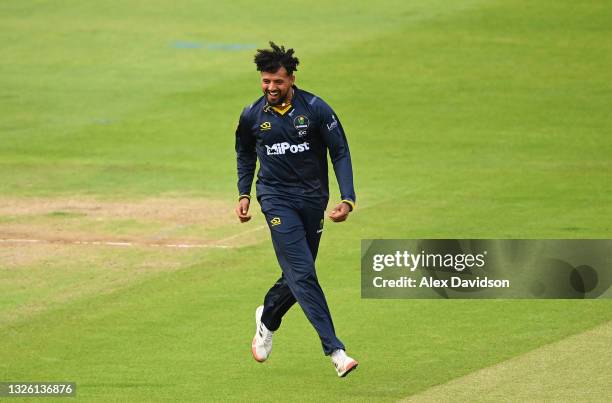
<point x="246" y="158"/>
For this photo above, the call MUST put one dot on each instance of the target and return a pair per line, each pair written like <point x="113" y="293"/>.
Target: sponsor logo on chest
<point x="284" y="148"/>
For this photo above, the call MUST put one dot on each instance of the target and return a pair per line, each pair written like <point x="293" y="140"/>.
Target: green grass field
<point x="471" y="119"/>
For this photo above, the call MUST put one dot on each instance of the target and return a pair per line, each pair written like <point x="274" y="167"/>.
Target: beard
<point x="276" y="101"/>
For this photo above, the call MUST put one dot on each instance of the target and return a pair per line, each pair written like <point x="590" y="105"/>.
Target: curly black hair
<point x="270" y="60"/>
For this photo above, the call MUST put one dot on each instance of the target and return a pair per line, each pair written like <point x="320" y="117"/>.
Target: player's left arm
<point x="333" y="135"/>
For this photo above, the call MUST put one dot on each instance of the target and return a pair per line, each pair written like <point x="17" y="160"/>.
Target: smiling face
<point x="276" y="86"/>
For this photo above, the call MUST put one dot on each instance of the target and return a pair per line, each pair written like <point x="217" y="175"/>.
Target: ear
<point x="292" y="79"/>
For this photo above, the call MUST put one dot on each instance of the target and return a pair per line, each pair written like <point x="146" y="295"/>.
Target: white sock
<point x="338" y="354"/>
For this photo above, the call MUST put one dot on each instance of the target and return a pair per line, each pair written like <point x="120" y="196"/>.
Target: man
<point x="290" y="131"/>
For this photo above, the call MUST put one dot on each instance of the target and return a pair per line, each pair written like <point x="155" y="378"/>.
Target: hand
<point x="242" y="209"/>
<point x="340" y="212"/>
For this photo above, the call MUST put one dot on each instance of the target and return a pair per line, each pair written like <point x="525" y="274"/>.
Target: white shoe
<point x="343" y="363"/>
<point x="262" y="341"/>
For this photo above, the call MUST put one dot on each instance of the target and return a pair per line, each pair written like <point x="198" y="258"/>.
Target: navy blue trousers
<point x="296" y="227"/>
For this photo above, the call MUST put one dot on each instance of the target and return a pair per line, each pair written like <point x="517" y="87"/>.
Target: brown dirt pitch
<point x="59" y="249"/>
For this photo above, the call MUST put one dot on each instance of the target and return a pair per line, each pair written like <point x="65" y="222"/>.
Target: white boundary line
<point x="220" y="244"/>
<point x="229" y="238"/>
<point x="119" y="244"/>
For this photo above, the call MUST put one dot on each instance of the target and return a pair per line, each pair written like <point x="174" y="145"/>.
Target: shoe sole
<point x="257" y="358"/>
<point x="351" y="367"/>
<point x="257" y="320"/>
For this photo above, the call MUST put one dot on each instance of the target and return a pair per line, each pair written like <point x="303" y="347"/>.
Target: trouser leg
<point x="296" y="253"/>
<point x="277" y="302"/>
<point x="279" y="298"/>
<point x="313" y="226"/>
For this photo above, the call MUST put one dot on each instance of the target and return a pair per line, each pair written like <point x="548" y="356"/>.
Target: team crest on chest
<point x="301" y="123"/>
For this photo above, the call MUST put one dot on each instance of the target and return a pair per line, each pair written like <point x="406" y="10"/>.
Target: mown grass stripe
<point x="577" y="368"/>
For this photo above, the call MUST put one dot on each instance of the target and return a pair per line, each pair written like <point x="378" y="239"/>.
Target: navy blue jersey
<point x="292" y="147"/>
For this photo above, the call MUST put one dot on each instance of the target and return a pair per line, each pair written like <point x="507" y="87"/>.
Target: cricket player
<point x="290" y="131"/>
